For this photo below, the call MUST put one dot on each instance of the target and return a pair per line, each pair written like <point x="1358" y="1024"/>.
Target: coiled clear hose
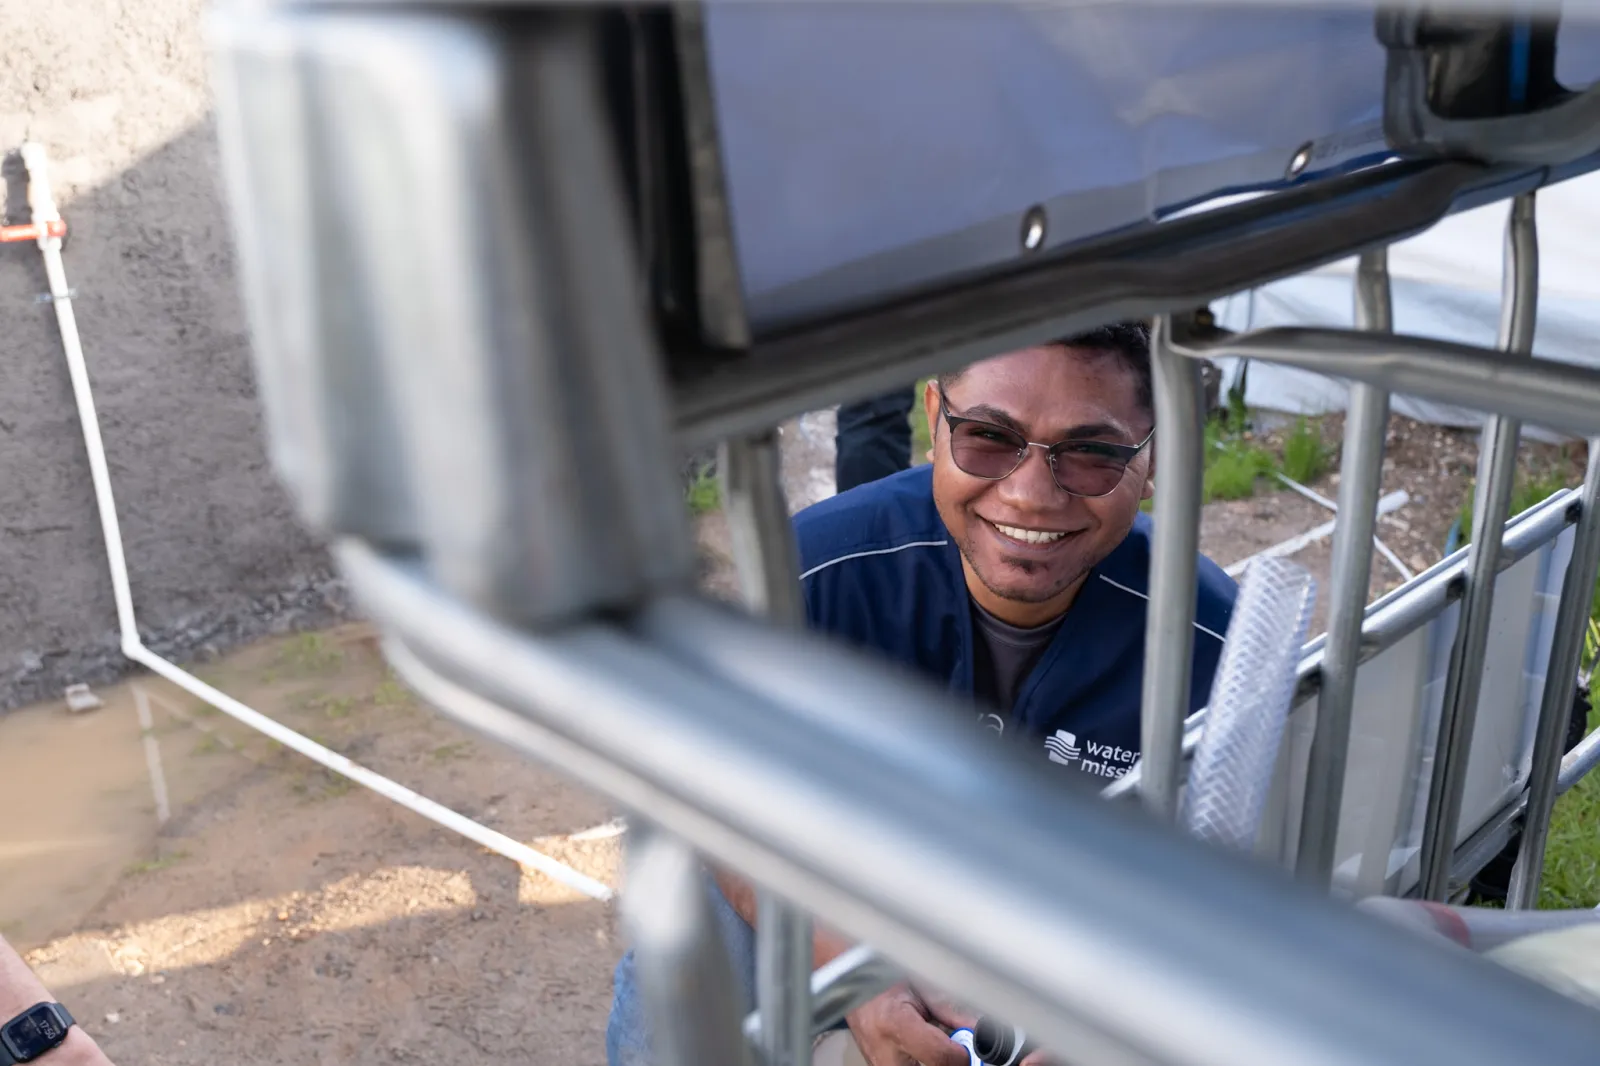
<point x="1250" y="695"/>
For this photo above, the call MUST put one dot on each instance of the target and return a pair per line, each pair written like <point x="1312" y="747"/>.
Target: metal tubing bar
<point x="783" y="980"/>
<point x="1492" y="837"/>
<point x="839" y="987"/>
<point x="1184" y="262"/>
<point x="1555" y="707"/>
<point x="767" y="559"/>
<point x="848" y="981"/>
<point x="1578" y="762"/>
<point x="1497" y="471"/>
<point x="684" y="974"/>
<point x="1543" y="392"/>
<point x="1398" y="614"/>
<point x="1169" y="620"/>
<point x="1360" y="479"/>
<point x="1044" y="893"/>
<point x="764" y="548"/>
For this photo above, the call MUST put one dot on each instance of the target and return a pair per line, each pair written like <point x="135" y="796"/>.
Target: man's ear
<point x="1148" y="489"/>
<point x="930" y="408"/>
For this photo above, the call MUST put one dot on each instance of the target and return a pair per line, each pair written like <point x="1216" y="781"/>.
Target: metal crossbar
<point x="509" y="514"/>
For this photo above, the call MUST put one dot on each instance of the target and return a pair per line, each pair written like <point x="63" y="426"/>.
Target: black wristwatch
<point x="40" y="1028"/>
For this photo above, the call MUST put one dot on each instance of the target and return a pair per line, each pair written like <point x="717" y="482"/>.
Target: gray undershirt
<point x="1003" y="655"/>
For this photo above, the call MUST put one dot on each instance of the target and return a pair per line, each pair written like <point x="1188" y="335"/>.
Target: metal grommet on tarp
<point x="1035" y="224"/>
<point x="1299" y="161"/>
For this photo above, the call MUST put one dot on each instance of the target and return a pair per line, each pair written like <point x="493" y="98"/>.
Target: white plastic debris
<point x="80" y="699"/>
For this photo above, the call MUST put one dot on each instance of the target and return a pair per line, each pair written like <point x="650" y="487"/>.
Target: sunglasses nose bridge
<point x="1048" y="458"/>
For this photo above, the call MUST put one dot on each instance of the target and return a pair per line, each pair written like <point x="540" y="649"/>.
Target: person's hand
<point x="952" y="1015"/>
<point x="19" y="990"/>
<point x="893" y="1030"/>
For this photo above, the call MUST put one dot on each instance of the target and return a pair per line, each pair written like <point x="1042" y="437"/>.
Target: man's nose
<point x="1032" y="483"/>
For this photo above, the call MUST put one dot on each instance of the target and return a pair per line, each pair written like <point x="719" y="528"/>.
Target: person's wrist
<point x="28" y="1027"/>
<point x="78" y="1049"/>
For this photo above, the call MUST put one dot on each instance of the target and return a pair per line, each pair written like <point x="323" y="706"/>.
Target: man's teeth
<point x="1031" y="536"/>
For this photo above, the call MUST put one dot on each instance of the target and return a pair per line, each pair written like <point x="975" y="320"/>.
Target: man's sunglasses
<point x="1088" y="468"/>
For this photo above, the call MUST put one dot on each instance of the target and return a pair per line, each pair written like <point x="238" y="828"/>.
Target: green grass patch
<point x="320" y="784"/>
<point x="1305" y="454"/>
<point x="207" y="745"/>
<point x="1530" y="490"/>
<point x="391" y="694"/>
<point x="160" y="862"/>
<point x="704" y="493"/>
<point x="1572" y="854"/>
<point x="1233" y="464"/>
<point x="1591" y="642"/>
<point x="307" y="653"/>
<point x="459" y="749"/>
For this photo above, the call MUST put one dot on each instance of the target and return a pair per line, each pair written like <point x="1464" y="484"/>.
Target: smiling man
<point x="1012" y="568"/>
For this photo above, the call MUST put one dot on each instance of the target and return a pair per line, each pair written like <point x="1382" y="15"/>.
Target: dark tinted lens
<point x="1088" y="468"/>
<point x="985" y="451"/>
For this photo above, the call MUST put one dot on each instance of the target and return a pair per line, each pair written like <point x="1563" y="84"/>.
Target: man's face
<point x="1026" y="543"/>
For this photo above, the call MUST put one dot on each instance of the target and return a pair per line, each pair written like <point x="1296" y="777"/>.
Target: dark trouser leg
<point x="873" y="438"/>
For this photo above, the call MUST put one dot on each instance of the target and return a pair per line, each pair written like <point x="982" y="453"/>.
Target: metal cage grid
<point x="735" y="739"/>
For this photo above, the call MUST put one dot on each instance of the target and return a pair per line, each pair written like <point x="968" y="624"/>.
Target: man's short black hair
<point x="1127" y="342"/>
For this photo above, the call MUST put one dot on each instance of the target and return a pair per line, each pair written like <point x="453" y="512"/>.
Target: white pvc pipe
<point x="1317" y="498"/>
<point x="152" y="755"/>
<point x="44" y="210"/>
<point x="1392" y="502"/>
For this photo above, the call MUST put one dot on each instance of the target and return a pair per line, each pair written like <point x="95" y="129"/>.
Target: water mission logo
<point x="1062" y="747"/>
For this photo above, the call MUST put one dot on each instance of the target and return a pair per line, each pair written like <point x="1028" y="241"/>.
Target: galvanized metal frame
<point x="1361" y="469"/>
<point x="764" y="552"/>
<point x="752" y="758"/>
<point x="1497" y="471"/>
<point x="1566" y="652"/>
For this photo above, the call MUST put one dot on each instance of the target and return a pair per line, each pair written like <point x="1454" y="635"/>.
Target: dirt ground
<point x="282" y="915"/>
<point x="278" y="914"/>
<point x="1433" y="465"/>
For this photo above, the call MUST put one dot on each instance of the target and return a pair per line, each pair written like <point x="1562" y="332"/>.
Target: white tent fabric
<point x="1447" y="286"/>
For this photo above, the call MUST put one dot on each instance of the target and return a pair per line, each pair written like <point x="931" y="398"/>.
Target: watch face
<point x="33" y="1033"/>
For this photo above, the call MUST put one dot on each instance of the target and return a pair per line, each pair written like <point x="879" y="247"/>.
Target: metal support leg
<point x="838" y="987"/>
<point x="783" y="981"/>
<point x="758" y="523"/>
<point x="1497" y="469"/>
<point x="1360" y="478"/>
<point x="765" y="554"/>
<point x="1169" y="626"/>
<point x="1572" y="614"/>
<point x="683" y="970"/>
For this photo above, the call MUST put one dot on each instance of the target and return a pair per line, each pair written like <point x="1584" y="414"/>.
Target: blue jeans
<point x="628" y="1030"/>
<point x="873" y="439"/>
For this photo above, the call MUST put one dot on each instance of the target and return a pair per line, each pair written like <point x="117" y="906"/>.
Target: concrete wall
<point x="116" y="91"/>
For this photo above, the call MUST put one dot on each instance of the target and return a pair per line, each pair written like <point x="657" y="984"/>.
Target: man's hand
<point x="954" y="1016"/>
<point x="893" y="1030"/>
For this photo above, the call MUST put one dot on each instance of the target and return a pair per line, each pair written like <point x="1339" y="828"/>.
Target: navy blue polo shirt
<point x="880" y="571"/>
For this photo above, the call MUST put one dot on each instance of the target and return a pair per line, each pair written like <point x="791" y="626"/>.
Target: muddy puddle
<point x="90" y="794"/>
